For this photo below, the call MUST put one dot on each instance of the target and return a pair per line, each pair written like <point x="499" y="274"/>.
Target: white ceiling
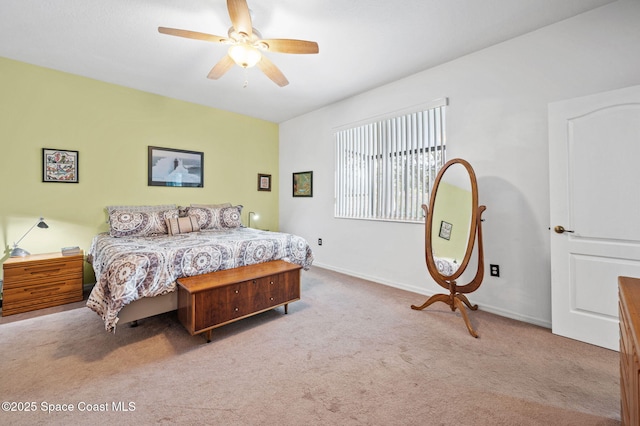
<point x="363" y="43"/>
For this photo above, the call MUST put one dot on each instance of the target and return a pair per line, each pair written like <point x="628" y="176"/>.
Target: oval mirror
<point x="452" y="224"/>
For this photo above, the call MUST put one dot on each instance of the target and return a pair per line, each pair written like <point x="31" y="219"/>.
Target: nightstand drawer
<point x="18" y="306"/>
<point x="40" y="281"/>
<point x="17" y="275"/>
<point x="44" y="290"/>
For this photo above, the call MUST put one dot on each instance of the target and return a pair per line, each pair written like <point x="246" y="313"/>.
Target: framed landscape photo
<point x="303" y="184"/>
<point x="59" y="165"/>
<point x="264" y="182"/>
<point x="175" y="167"/>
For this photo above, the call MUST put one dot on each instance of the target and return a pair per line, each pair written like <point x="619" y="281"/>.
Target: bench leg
<point x="208" y="336"/>
<point x="286" y="308"/>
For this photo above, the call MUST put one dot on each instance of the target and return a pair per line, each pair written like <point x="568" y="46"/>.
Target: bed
<point x="138" y="261"/>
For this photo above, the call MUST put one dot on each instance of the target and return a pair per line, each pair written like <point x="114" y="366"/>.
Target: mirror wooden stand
<point x="453" y="225"/>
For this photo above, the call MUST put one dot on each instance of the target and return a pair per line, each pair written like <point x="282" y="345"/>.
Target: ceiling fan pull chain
<point x="246" y="79"/>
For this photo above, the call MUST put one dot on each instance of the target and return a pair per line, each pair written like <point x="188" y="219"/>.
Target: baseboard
<point x="419" y="290"/>
<point x="413" y="289"/>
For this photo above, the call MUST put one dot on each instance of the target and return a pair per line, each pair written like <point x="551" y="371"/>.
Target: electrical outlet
<point x="319" y="241"/>
<point x="494" y="270"/>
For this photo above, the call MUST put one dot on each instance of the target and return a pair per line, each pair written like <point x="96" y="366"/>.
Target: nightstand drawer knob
<point x="237" y="291"/>
<point x="236" y="309"/>
<point x="271" y="299"/>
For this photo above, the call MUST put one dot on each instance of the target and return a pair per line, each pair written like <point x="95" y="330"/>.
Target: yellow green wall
<point x="111" y="127"/>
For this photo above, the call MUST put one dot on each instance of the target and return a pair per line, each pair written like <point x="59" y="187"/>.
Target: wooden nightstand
<point x="40" y="281"/>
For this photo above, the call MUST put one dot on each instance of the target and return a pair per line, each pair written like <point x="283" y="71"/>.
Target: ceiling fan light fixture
<point x="245" y="55"/>
<point x="245" y="45"/>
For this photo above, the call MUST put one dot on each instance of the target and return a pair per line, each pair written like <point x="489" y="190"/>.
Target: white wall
<point x="497" y="120"/>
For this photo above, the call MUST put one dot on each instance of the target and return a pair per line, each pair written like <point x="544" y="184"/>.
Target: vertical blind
<point x="385" y="169"/>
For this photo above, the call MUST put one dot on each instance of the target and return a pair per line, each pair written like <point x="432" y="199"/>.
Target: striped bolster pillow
<point x="182" y="225"/>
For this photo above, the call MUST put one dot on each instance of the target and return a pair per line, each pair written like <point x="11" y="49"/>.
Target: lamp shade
<point x="255" y="216"/>
<point x="245" y="55"/>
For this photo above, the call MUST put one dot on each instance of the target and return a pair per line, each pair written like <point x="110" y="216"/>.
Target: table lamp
<point x="255" y="217"/>
<point x="19" y="252"/>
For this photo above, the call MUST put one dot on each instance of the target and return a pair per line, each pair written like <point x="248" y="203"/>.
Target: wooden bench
<point x="212" y="300"/>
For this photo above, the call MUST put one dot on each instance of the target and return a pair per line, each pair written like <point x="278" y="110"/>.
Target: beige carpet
<point x="351" y="352"/>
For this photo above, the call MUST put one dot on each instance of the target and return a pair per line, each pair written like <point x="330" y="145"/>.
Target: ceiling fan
<point x="246" y="44"/>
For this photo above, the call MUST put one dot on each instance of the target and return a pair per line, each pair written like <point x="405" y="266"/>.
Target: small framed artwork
<point x="59" y="165"/>
<point x="175" y="167"/>
<point x="264" y="182"/>
<point x="445" y="230"/>
<point x="303" y="184"/>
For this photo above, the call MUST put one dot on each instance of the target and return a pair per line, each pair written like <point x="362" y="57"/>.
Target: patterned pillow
<point x="183" y="211"/>
<point x="230" y="217"/>
<point x="139" y="223"/>
<point x="182" y="225"/>
<point x="445" y="266"/>
<point x="212" y="206"/>
<point x="217" y="218"/>
<point x="158" y="208"/>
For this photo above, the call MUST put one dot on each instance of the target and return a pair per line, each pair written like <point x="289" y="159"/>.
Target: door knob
<point x="560" y="229"/>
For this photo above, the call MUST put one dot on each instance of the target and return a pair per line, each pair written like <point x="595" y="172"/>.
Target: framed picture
<point x="445" y="230"/>
<point x="303" y="184"/>
<point x="175" y="167"/>
<point x="264" y="182"/>
<point x="59" y="165"/>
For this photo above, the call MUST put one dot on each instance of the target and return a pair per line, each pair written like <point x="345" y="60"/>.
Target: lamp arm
<point x="25" y="234"/>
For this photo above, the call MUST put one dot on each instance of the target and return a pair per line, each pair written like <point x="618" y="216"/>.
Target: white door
<point x="594" y="175"/>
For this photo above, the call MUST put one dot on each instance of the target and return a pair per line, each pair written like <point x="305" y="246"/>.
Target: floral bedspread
<point x="130" y="268"/>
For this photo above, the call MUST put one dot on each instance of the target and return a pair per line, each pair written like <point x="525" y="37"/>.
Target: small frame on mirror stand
<point x="445" y="230"/>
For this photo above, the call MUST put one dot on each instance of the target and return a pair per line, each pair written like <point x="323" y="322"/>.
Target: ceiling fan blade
<point x="284" y="45"/>
<point x="272" y="72"/>
<point x="240" y="16"/>
<point x="191" y="34"/>
<point x="221" y="67"/>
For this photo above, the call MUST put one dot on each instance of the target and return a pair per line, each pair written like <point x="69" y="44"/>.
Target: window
<point x="385" y="169"/>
